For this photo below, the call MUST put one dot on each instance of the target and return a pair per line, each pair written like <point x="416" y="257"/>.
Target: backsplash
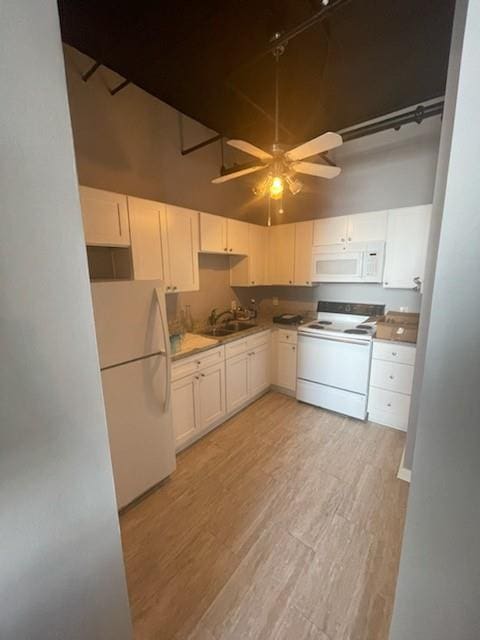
<point x="215" y="291"/>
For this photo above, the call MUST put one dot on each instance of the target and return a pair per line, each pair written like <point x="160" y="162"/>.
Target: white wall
<point x="61" y="564"/>
<point x="439" y="581"/>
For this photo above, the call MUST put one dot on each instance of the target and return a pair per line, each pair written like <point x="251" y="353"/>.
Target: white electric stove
<point x="334" y="353"/>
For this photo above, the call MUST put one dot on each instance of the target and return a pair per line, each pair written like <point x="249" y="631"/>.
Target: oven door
<point x="346" y="266"/>
<point x="343" y="363"/>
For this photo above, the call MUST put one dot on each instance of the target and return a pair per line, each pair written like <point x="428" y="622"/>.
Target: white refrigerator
<point x="134" y="351"/>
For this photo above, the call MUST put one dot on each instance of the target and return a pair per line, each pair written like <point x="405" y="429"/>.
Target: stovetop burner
<point x="356" y="331"/>
<point x="324" y="322"/>
<point x="318" y="325"/>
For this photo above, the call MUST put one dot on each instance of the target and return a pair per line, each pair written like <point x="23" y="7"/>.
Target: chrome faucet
<point x="214" y="316"/>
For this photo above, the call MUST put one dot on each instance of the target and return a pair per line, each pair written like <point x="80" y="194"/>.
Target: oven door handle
<point x="365" y="343"/>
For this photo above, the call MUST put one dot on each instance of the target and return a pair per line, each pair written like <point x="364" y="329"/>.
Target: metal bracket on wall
<point x="88" y="74"/>
<point x="195" y="147"/>
<point x="119" y="87"/>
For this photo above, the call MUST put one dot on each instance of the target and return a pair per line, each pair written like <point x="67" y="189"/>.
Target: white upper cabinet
<point x="223" y="235"/>
<point x="213" y="233"/>
<point x="145" y="231"/>
<point x="281" y="254"/>
<point x="105" y="217"/>
<point x="330" y="231"/>
<point x="164" y="244"/>
<point x="237" y="236"/>
<point x="367" y="227"/>
<point x="337" y="233"/>
<point x="303" y="253"/>
<point x="250" y="271"/>
<point x="406" y="248"/>
<point x="180" y="246"/>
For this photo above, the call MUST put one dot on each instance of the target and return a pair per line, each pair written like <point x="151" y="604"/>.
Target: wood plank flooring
<point x="285" y="523"/>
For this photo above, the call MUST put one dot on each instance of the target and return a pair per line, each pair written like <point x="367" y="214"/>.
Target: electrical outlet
<point x="403" y="309"/>
<point x="275" y="301"/>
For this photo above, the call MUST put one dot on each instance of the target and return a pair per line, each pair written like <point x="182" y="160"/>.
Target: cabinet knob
<point x="394" y="353"/>
<point x="392" y="377"/>
<point x="342" y="239"/>
<point x="174" y="288"/>
<point x="293" y="348"/>
<point x="349" y="239"/>
<point x="199" y="362"/>
<point x="197" y="377"/>
<point x="253" y="281"/>
<point x="202" y="375"/>
<point x="385" y="284"/>
<point x="307" y="281"/>
<point x="289" y="282"/>
<point x="389" y="404"/>
<point x="231" y="249"/>
<point x="168" y="288"/>
<point x="225" y="249"/>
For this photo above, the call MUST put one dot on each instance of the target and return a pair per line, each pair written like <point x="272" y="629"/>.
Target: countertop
<point x="400" y="342"/>
<point x="194" y="343"/>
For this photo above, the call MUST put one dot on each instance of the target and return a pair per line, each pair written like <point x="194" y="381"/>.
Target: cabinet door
<point x="286" y="365"/>
<point x="211" y="395"/>
<point x="367" y="227"/>
<point x="183" y="409"/>
<point x="330" y="230"/>
<point x="259" y="369"/>
<point x="105" y="217"/>
<point x="406" y="247"/>
<point x="237" y="237"/>
<point x="213" y="233"/>
<point x="303" y="253"/>
<point x="145" y="232"/>
<point x="237" y="381"/>
<point x="257" y="254"/>
<point x="281" y="254"/>
<point x="180" y="248"/>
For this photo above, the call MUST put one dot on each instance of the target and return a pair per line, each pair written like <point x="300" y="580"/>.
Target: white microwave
<point x="361" y="262"/>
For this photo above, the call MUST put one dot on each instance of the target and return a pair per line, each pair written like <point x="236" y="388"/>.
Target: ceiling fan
<point x="283" y="165"/>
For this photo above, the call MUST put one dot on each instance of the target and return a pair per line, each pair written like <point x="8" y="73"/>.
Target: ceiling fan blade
<point x="319" y="170"/>
<point x="251" y="149"/>
<point x="237" y="174"/>
<point x="322" y="143"/>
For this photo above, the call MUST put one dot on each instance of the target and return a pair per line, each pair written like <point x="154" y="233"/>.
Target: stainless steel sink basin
<point x="237" y="325"/>
<point x="217" y="332"/>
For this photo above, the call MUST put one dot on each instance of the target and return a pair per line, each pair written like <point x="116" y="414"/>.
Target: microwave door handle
<point x="166" y="340"/>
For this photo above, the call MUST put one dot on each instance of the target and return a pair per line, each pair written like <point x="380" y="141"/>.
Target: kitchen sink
<point x="237" y="325"/>
<point x="217" y="332"/>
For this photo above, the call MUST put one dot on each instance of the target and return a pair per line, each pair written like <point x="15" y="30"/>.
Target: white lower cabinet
<point x="206" y="388"/>
<point x="211" y="395"/>
<point x="391" y="379"/>
<point x="237" y="381"/>
<point x="184" y="409"/>
<point x="284" y="360"/>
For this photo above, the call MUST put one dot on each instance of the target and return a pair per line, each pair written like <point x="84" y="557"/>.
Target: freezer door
<point x="140" y="430"/>
<point x="128" y="321"/>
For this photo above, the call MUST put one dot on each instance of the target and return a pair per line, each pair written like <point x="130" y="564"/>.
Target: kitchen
<point x="261" y="345"/>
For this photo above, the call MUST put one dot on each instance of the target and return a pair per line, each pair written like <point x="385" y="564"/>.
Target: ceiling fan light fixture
<point x="276" y="188"/>
<point x="294" y="185"/>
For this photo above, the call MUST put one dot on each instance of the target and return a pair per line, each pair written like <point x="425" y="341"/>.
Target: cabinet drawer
<point x="258" y="339"/>
<point x="388" y="407"/>
<point x="394" y="352"/>
<point x="236" y="348"/>
<point x="284" y="335"/>
<point x="192" y="364"/>
<point x="392" y="376"/>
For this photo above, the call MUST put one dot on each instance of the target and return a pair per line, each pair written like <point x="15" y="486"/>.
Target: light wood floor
<point x="285" y="522"/>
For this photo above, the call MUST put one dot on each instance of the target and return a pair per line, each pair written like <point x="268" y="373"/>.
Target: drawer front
<point x="233" y="349"/>
<point x="392" y="376"/>
<point x="388" y="407"/>
<point x="258" y="339"/>
<point x="284" y="335"/>
<point x="187" y="366"/>
<point x="394" y="352"/>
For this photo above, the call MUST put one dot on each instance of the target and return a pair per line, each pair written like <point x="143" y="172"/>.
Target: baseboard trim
<point x="404" y="473"/>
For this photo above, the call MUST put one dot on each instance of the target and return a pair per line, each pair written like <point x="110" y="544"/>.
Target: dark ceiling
<point x="367" y="58"/>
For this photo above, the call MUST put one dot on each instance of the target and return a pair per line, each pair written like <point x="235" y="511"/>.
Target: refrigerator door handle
<point x="166" y="339"/>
